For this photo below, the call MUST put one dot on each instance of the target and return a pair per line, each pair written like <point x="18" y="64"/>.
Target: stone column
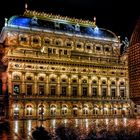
<point x="99" y="86"/>
<point x="69" y="85"/>
<point x="23" y="83"/>
<point x="10" y="88"/>
<point x="127" y="88"/>
<point x="35" y="84"/>
<point x="90" y="83"/>
<point x="117" y="86"/>
<point x="108" y="87"/>
<point x="47" y="84"/>
<point x="58" y="85"/>
<point x="79" y="86"/>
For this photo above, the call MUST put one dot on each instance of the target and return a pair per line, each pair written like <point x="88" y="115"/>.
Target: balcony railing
<point x="66" y="98"/>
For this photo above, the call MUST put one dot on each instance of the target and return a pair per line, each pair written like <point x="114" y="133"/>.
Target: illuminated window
<point x="94" y="91"/>
<point x="85" y="111"/>
<point x="64" y="110"/>
<point x="16" y="89"/>
<point x="64" y="91"/>
<point x="53" y="110"/>
<point x="16" y="111"/>
<point x="41" y="89"/>
<point x="41" y="110"/>
<point x="29" y="110"/>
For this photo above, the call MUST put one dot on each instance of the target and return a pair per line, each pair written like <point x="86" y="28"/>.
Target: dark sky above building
<point x="115" y="15"/>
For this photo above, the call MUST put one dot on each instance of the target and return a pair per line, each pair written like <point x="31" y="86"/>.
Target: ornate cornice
<point x="47" y="16"/>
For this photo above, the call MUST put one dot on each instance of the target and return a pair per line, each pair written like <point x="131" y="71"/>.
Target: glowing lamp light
<point x="105" y="108"/>
<point x="16" y="108"/>
<point x="96" y="29"/>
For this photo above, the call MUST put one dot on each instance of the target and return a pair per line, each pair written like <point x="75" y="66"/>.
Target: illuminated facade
<point x="134" y="64"/>
<point x="63" y="67"/>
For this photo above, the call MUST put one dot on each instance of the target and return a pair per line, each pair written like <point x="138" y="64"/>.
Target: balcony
<point x="66" y="98"/>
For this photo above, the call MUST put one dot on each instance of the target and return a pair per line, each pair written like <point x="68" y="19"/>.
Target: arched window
<point x="104" y="89"/>
<point x="41" y="109"/>
<point x="16" y="77"/>
<point x="64" y="110"/>
<point x="112" y="82"/>
<point x="75" y="110"/>
<point x="53" y="110"/>
<point x="41" y="78"/>
<point x="29" y="109"/>
<point x="85" y="110"/>
<point x="29" y="78"/>
<point x="16" y="111"/>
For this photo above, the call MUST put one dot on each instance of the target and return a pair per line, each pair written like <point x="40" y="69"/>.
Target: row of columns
<point x="46" y="82"/>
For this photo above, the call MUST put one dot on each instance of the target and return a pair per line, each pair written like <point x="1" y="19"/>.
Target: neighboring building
<point x="3" y="85"/>
<point x="134" y="66"/>
<point x="63" y="67"/>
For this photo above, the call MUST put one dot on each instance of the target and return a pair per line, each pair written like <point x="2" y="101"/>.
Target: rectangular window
<point x="35" y="40"/>
<point x="41" y="89"/>
<point x="122" y="92"/>
<point x="23" y="39"/>
<point x="16" y="89"/>
<point x="78" y="45"/>
<point x="84" y="91"/>
<point x="74" y="91"/>
<point x="104" y="92"/>
<point x="49" y="50"/>
<point x="65" y="52"/>
<point x="64" y="91"/>
<point x="113" y="92"/>
<point x="53" y="90"/>
<point x="94" y="91"/>
<point x="29" y="89"/>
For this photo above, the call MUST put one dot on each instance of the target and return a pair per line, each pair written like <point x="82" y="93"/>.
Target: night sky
<point x="115" y="15"/>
